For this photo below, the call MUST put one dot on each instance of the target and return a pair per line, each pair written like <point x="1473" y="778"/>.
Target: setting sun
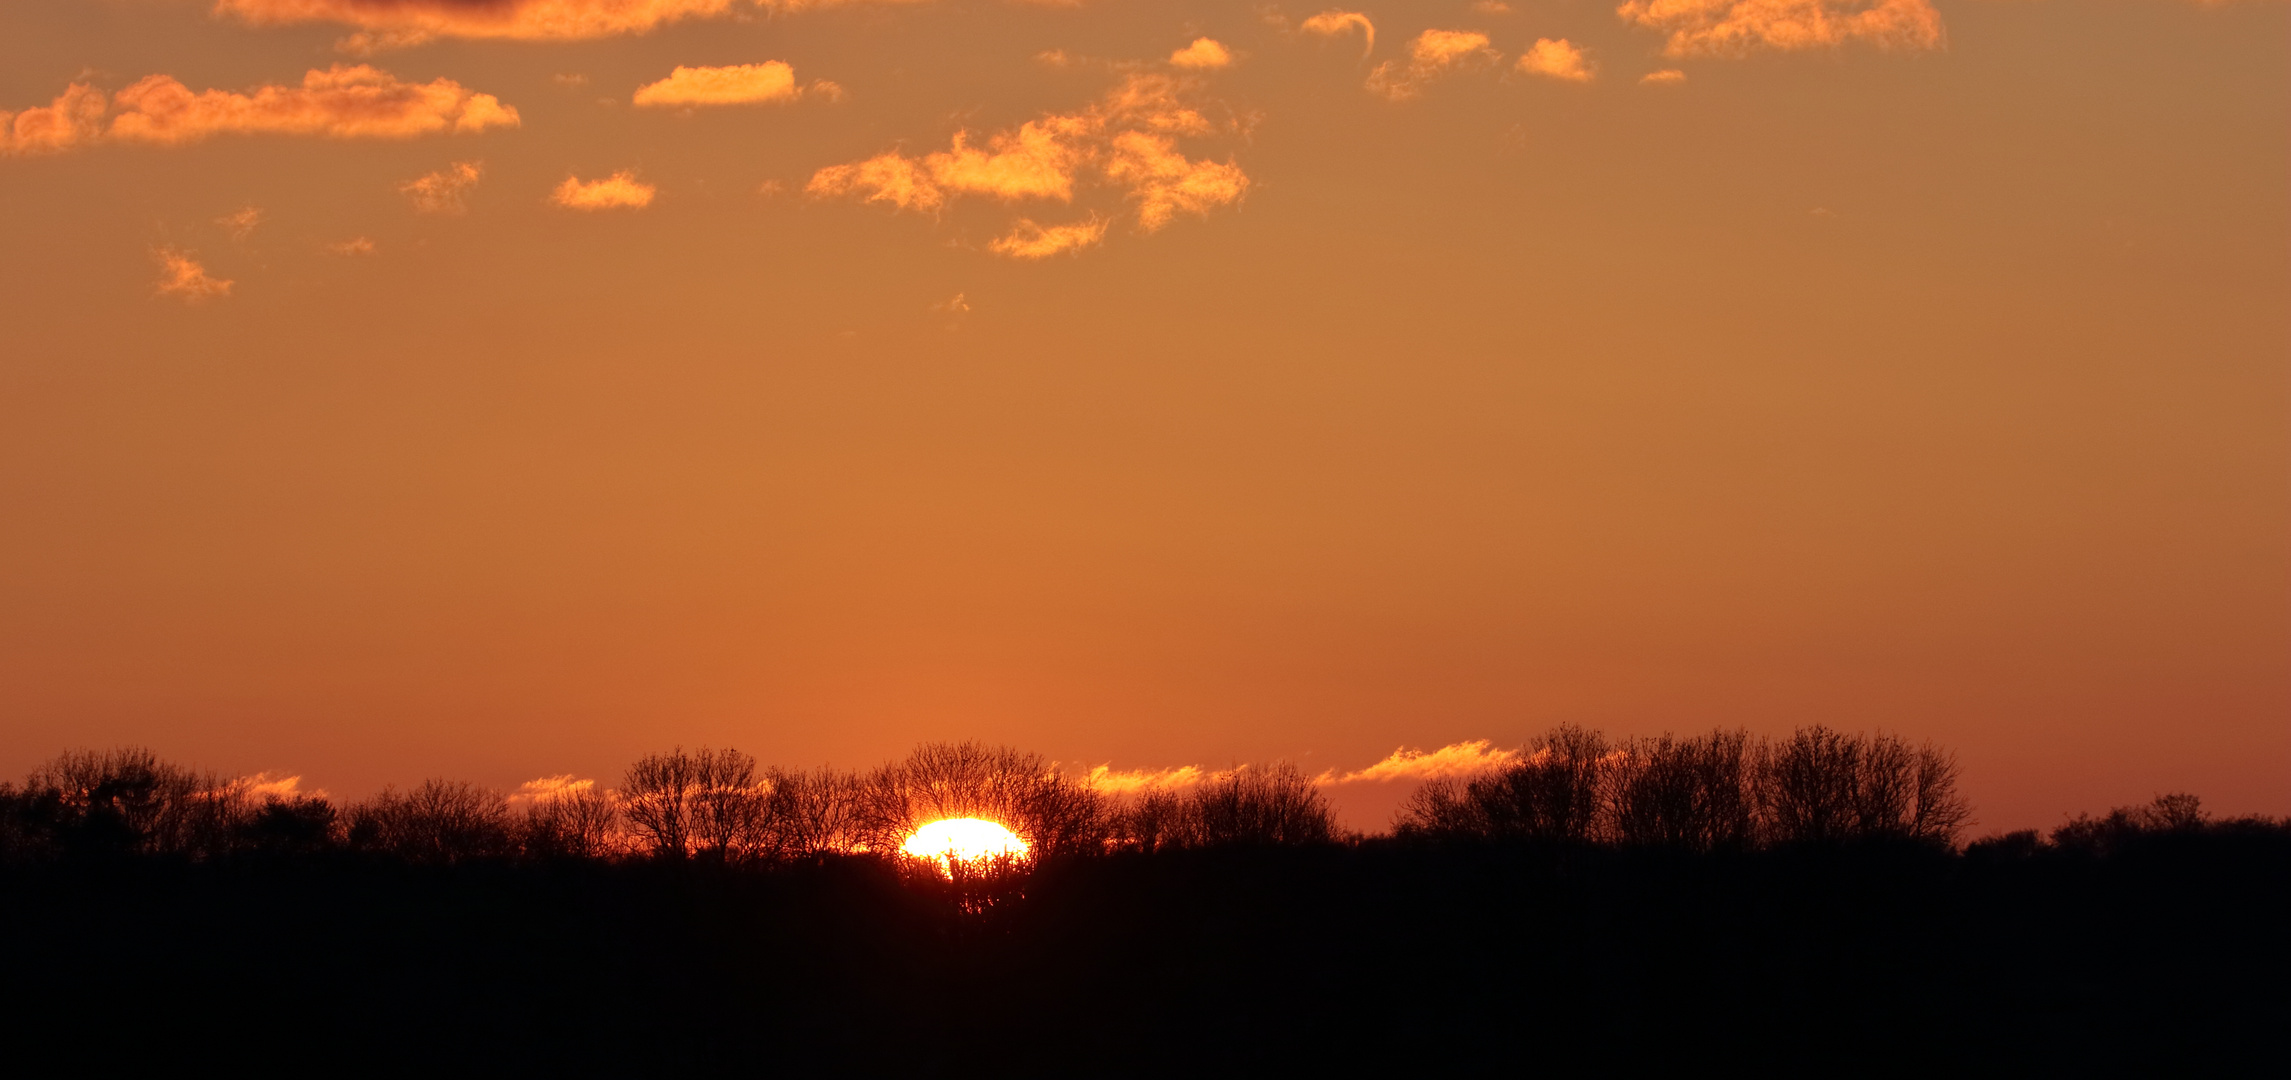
<point x="963" y="840"/>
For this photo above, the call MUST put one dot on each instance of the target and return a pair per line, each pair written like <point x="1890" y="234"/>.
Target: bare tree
<point x="439" y="822"/>
<point x="582" y="824"/>
<point x="1054" y="813"/>
<point x="727" y="805"/>
<point x="656" y="797"/>
<point x="812" y="813"/>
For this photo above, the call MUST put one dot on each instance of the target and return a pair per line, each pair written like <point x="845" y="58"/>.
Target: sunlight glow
<point x="966" y="840"/>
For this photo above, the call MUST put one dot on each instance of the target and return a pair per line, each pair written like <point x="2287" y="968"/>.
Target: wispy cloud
<point x="739" y="84"/>
<point x="1336" y="23"/>
<point x="550" y="788"/>
<point x="1403" y="765"/>
<point x="443" y="191"/>
<point x="620" y="191"/>
<point x="241" y="223"/>
<point x="182" y="276"/>
<point x="1455" y="759"/>
<point x="341" y="102"/>
<point x="393" y="23"/>
<point x="1433" y="55"/>
<point x="1556" y="59"/>
<point x="1739" y="27"/>
<point x="1027" y="240"/>
<point x="1127" y="142"/>
<point x="1665" y="77"/>
<point x="1144" y="781"/>
<point x="1204" y="54"/>
<point x="356" y="245"/>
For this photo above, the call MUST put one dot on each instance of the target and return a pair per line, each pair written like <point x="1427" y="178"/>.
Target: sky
<point x="497" y="389"/>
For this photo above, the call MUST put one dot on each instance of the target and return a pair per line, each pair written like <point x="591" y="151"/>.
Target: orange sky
<point x="506" y="389"/>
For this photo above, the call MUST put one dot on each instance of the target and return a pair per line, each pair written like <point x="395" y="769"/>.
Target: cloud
<point x="1454" y="759"/>
<point x="1434" y="54"/>
<point x="1559" y="59"/>
<point x="393" y="23"/>
<point x="356" y="245"/>
<point x="1665" y="77"/>
<point x="181" y="275"/>
<point x="621" y="190"/>
<point x="1332" y="23"/>
<point x="1491" y="7"/>
<point x="267" y="785"/>
<point x="889" y="177"/>
<point x="441" y="192"/>
<point x="1126" y="142"/>
<point x="740" y="84"/>
<point x="341" y="102"/>
<point x="1165" y="183"/>
<point x="1202" y="55"/>
<point x="242" y="224"/>
<point x="549" y="789"/>
<point x="1143" y="781"/>
<point x="1027" y="240"/>
<point x="73" y="120"/>
<point x="1739" y="27"/>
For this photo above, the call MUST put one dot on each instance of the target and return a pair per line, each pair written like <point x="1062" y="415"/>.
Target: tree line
<point x="1723" y="791"/>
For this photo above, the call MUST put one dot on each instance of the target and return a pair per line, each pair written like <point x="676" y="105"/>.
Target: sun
<point x="952" y="840"/>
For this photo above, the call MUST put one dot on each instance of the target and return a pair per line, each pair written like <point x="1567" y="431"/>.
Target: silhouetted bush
<point x="578" y="824"/>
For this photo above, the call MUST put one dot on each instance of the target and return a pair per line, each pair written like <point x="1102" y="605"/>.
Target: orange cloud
<point x="342" y="102"/>
<point x="180" y="275"/>
<point x="389" y="23"/>
<point x="1559" y="59"/>
<point x="1116" y="782"/>
<point x="889" y="177"/>
<point x="1454" y="759"/>
<point x="242" y="224"/>
<point x="1665" y="77"/>
<point x="1332" y="23"/>
<point x="1027" y="240"/>
<point x="441" y="192"/>
<point x="73" y="120"/>
<point x="1434" y="54"/>
<point x="356" y="245"/>
<point x="1126" y="141"/>
<point x="1738" y="27"/>
<point x="549" y="788"/>
<point x="740" y="84"/>
<point x="621" y="190"/>
<point x="1203" y="54"/>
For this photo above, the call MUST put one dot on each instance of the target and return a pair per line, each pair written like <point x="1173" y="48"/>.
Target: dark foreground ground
<point x="2170" y="957"/>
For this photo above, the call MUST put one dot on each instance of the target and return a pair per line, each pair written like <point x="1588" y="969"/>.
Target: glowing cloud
<point x="1204" y="54"/>
<point x="1433" y="55"/>
<point x="241" y="224"/>
<point x="74" y="119"/>
<point x="356" y="245"/>
<point x="550" y="788"/>
<point x="1027" y="240"/>
<point x="1332" y="23"/>
<point x="1116" y="782"/>
<point x="740" y="84"/>
<point x="441" y="192"/>
<point x="1126" y="141"/>
<point x="621" y="190"/>
<point x="1559" y="59"/>
<point x="1739" y="27"/>
<point x="183" y="277"/>
<point x="391" y="23"/>
<point x="1454" y="759"/>
<point x="1665" y="77"/>
<point x="341" y="102"/>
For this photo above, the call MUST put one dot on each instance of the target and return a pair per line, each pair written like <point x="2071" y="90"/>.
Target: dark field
<point x="2148" y="951"/>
